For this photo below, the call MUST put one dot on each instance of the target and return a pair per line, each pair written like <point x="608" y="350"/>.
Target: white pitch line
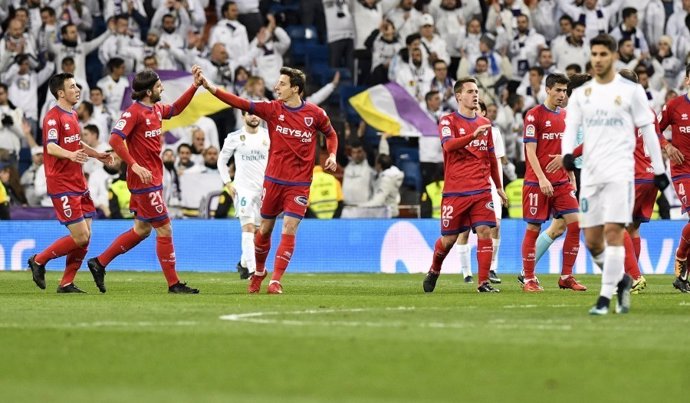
<point x="99" y="324"/>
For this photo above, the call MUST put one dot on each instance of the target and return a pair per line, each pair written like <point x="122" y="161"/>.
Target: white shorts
<point x="603" y="203"/>
<point x="247" y="206"/>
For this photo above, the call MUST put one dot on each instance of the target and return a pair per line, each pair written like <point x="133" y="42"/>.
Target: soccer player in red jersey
<point x="546" y="193"/>
<point x="676" y="113"/>
<point x="292" y="126"/>
<point x="140" y="127"/>
<point x="469" y="161"/>
<point x="64" y="155"/>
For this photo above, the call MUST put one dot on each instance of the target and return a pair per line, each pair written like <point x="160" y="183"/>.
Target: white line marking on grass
<point x="99" y="324"/>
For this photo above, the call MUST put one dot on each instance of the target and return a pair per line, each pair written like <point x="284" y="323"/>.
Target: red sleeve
<point x="665" y="120"/>
<point x="659" y="133"/>
<point x="182" y="102"/>
<point x="120" y="148"/>
<point x="577" y="152"/>
<point x="495" y="175"/>
<point x="452" y="144"/>
<point x="331" y="136"/>
<point x="234" y="101"/>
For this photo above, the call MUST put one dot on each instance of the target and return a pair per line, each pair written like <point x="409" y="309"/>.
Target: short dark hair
<point x="88" y="106"/>
<point x="575" y="81"/>
<point x="225" y="7"/>
<point x="385" y="161"/>
<point x="168" y="15"/>
<point x="437" y="61"/>
<point x="538" y="69"/>
<point x="629" y="74"/>
<point x="96" y="88"/>
<point x="412" y="37"/>
<point x="604" y="40"/>
<point x="57" y="83"/>
<point x="63" y="30"/>
<point x="461" y="82"/>
<point x="115" y="63"/>
<point x="184" y="145"/>
<point x="576" y="23"/>
<point x="623" y="40"/>
<point x="297" y="78"/>
<point x="687" y="68"/>
<point x="143" y="82"/>
<point x="92" y="128"/>
<point x="49" y="10"/>
<point x="354" y="142"/>
<point x="67" y="59"/>
<point x="574" y="66"/>
<point x="482" y="106"/>
<point x="628" y="11"/>
<point x="482" y="58"/>
<point x="556" y="78"/>
<point x="429" y="95"/>
<point x="566" y="17"/>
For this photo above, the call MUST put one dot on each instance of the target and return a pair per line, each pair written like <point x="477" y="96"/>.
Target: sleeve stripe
<point x="119" y="133"/>
<point x="251" y="107"/>
<point x="172" y="111"/>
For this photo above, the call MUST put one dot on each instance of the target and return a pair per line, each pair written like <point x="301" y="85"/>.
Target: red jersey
<point x="545" y="128"/>
<point x="62" y="175"/>
<point x="140" y="126"/>
<point x="644" y="173"/>
<point x="467" y="170"/>
<point x="676" y="113"/>
<point x="293" y="133"/>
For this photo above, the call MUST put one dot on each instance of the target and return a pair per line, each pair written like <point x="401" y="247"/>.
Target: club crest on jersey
<point x="242" y="137"/>
<point x="159" y="208"/>
<point x="52" y="122"/>
<point x="68" y="212"/>
<point x="572" y="194"/>
<point x="308" y="121"/>
<point x="302" y="200"/>
<point x="533" y="210"/>
<point x="446" y="223"/>
<point x="618" y="101"/>
<point x="490" y="205"/>
<point x="588" y="92"/>
<point x="584" y="205"/>
<point x="52" y="134"/>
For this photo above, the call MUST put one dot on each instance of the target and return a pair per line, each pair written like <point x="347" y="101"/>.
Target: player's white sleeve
<point x="639" y="108"/>
<point x="499" y="145"/>
<point x="573" y="119"/>
<point x="229" y="146"/>
<point x="651" y="141"/>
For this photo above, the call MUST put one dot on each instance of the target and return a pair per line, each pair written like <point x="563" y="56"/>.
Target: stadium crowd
<point x="509" y="46"/>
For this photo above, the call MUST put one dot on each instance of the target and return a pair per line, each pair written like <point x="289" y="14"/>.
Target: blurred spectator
<point x="444" y="85"/>
<point x="325" y="196"/>
<point x="173" y="19"/>
<point x="488" y="80"/>
<point x="414" y="75"/>
<point x="525" y="47"/>
<point x="341" y="33"/>
<point x="184" y="158"/>
<point x="198" y="182"/>
<point x="533" y="91"/>
<point x="358" y="176"/>
<point x="652" y="18"/>
<point x="28" y="178"/>
<point x="10" y="126"/>
<point x="675" y="26"/>
<point x="217" y="66"/>
<point x="241" y="77"/>
<point x="47" y="32"/>
<point x="171" y="180"/>
<point x="124" y="45"/>
<point x="114" y="84"/>
<point x="194" y="8"/>
<point x="626" y="55"/>
<point x="77" y="13"/>
<point x="433" y="44"/>
<point x="208" y="164"/>
<point x="99" y="184"/>
<point x="469" y="41"/>
<point x="324" y="92"/>
<point x="596" y="18"/>
<point x="573" y="49"/>
<point x="384" y="43"/>
<point x="16" y="42"/>
<point x="119" y="195"/>
<point x="68" y="66"/>
<point x="198" y="145"/>
<point x="674" y="71"/>
<point x="160" y="51"/>
<point x="267" y="50"/>
<point x="387" y="185"/>
<point x="367" y="17"/>
<point x="629" y="29"/>
<point x="566" y="24"/>
<point x="23" y="85"/>
<point x="9" y="175"/>
<point x="406" y="19"/>
<point x="544" y="13"/>
<point x="248" y="15"/>
<point x="86" y="118"/>
<point x="502" y="17"/>
<point x="231" y="33"/>
<point x="655" y="97"/>
<point x="4" y="196"/>
<point x="71" y="45"/>
<point x="132" y="10"/>
<point x="101" y="113"/>
<point x="509" y="120"/>
<point x="91" y="136"/>
<point x="451" y="18"/>
<point x="430" y="151"/>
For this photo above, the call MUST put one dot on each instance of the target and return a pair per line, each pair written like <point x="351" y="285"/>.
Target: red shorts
<point x="682" y="187"/>
<point x="645" y="197"/>
<point x="460" y="213"/>
<point x="73" y="207"/>
<point x="148" y="205"/>
<point x="537" y="208"/>
<point x="276" y="198"/>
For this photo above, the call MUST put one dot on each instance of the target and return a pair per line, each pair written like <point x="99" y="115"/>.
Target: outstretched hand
<point x="330" y="164"/>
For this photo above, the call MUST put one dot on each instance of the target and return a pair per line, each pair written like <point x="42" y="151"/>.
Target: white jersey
<point x="251" y="156"/>
<point x="608" y="114"/>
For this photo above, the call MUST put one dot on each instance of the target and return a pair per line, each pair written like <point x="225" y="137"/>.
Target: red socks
<point x="440" y="254"/>
<point x="529" y="250"/>
<point x="683" y="246"/>
<point x="166" y="256"/>
<point x="59" y="248"/>
<point x="120" y="245"/>
<point x="262" y="244"/>
<point x="637" y="246"/>
<point x="630" y="262"/>
<point x="283" y="255"/>
<point x="74" y="259"/>
<point x="571" y="246"/>
<point x="485" y="249"/>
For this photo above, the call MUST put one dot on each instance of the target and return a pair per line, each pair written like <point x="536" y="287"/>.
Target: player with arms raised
<point x="140" y="127"/>
<point x="676" y="113"/>
<point x="546" y="192"/>
<point x="64" y="155"/>
<point x="470" y="163"/>
<point x="292" y="126"/>
<point x="608" y="108"/>
<point x="249" y="146"/>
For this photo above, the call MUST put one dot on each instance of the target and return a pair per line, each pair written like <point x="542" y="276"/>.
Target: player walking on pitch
<point x="544" y="193"/>
<point x="470" y="162"/>
<point x="64" y="155"/>
<point x="292" y="126"/>
<point x="608" y="108"/>
<point x="249" y="146"/>
<point x="140" y="127"/>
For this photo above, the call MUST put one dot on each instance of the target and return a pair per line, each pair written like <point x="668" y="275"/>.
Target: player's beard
<point x="253" y="123"/>
<point x="155" y="97"/>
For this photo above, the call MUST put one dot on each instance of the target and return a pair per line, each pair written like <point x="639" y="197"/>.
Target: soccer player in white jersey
<point x="609" y="108"/>
<point x="463" y="246"/>
<point x="250" y="146"/>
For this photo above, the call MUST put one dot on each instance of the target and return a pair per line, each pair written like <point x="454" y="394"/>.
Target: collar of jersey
<point x="557" y="111"/>
<point x="144" y="105"/>
<point x="467" y="117"/>
<point x="295" y="109"/>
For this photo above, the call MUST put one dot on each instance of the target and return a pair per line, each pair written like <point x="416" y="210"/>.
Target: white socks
<point x="614" y="263"/>
<point x="599" y="260"/>
<point x="494" y="258"/>
<point x="465" y="262"/>
<point x="248" y="256"/>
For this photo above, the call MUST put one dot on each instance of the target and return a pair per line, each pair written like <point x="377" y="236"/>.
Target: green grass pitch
<point x="337" y="338"/>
